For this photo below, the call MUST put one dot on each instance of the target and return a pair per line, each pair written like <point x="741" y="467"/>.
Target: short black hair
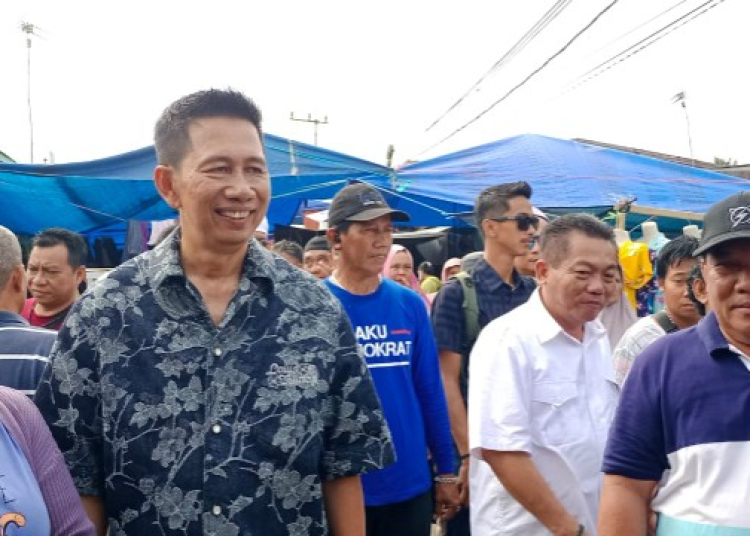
<point x="554" y="239"/>
<point x="428" y="268"/>
<point x="171" y="136"/>
<point x="694" y="274"/>
<point x="318" y="243"/>
<point x="293" y="249"/>
<point x="78" y="251"/>
<point x="495" y="200"/>
<point x="674" y="252"/>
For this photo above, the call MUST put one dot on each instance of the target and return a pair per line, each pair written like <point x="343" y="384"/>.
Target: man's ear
<point x="80" y="273"/>
<point x="164" y="178"/>
<point x="487" y="229"/>
<point x="542" y="271"/>
<point x="18" y="280"/>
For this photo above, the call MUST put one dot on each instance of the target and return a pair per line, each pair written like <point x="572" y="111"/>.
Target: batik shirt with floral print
<point x="185" y="427"/>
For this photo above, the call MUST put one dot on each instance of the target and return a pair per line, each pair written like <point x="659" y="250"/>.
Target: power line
<point x="648" y="40"/>
<point x="527" y="38"/>
<point x="529" y="77"/>
<point x="643" y="24"/>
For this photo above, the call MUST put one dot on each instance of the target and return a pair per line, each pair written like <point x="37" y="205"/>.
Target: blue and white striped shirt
<point x="24" y="352"/>
<point x="684" y="418"/>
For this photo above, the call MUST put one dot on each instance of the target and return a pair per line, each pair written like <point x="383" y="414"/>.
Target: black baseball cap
<point x="360" y="202"/>
<point x="729" y="219"/>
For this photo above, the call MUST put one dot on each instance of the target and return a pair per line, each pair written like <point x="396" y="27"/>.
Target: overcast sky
<point x="381" y="72"/>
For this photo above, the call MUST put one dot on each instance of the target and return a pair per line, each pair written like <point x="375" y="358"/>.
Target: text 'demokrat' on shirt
<point x="189" y="428"/>
<point x="536" y="389"/>
<point x="684" y="420"/>
<point x="395" y="338"/>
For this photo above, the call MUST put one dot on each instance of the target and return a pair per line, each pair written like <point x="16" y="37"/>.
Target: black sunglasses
<point x="524" y="221"/>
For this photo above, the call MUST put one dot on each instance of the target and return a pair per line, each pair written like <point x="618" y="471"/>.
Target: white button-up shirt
<point x="536" y="389"/>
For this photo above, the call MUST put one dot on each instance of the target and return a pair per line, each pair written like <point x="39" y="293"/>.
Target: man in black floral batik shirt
<point x="207" y="387"/>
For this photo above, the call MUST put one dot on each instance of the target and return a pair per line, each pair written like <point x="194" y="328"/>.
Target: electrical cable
<point x="643" y="24"/>
<point x="525" y="80"/>
<point x="649" y="40"/>
<point x="527" y="38"/>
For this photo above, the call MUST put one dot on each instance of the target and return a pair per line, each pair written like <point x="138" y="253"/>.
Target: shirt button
<point x="216" y="428"/>
<point x="217" y="352"/>
<point x="216" y="510"/>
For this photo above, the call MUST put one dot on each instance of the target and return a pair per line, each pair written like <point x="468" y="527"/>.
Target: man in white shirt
<point x="543" y="393"/>
<point x="672" y="268"/>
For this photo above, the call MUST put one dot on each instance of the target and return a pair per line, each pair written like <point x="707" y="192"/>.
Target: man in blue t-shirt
<point x="395" y="337"/>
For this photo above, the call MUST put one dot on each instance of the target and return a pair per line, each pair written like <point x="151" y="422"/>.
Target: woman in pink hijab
<point x="450" y="268"/>
<point x="399" y="266"/>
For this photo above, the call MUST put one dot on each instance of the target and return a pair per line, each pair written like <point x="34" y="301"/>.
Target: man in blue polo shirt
<point x="684" y="414"/>
<point x="24" y="349"/>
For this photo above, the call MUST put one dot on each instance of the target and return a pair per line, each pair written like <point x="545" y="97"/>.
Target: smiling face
<point x="221" y="187"/>
<point x="365" y="245"/>
<point x="575" y="291"/>
<point x="726" y="271"/>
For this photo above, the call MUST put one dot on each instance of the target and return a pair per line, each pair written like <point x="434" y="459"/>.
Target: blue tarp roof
<point x="90" y="195"/>
<point x="565" y="175"/>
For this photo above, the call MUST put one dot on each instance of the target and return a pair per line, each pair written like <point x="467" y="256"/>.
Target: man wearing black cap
<point x="317" y="259"/>
<point x="684" y="413"/>
<point x="395" y="337"/>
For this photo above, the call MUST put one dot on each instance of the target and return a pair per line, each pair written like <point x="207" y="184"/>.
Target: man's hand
<point x="520" y="476"/>
<point x="463" y="483"/>
<point x="447" y="502"/>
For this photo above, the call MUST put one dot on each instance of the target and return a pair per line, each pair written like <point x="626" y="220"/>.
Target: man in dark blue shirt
<point x="24" y="349"/>
<point x="683" y="421"/>
<point x="505" y="217"/>
<point x="207" y="387"/>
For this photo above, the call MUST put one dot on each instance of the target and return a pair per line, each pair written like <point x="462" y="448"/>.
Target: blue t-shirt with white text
<point x="395" y="338"/>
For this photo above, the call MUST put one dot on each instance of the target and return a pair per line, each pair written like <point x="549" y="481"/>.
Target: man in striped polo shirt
<point x="683" y="423"/>
<point x="23" y="348"/>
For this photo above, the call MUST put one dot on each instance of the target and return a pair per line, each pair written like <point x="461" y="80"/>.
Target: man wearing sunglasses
<point x="506" y="220"/>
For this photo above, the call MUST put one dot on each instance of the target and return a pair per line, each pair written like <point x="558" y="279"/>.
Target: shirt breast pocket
<point x="555" y="412"/>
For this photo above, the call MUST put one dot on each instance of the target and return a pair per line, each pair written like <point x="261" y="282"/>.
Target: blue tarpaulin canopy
<point x="565" y="176"/>
<point x="91" y="195"/>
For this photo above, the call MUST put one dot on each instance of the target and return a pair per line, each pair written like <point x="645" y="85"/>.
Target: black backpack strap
<point x="664" y="322"/>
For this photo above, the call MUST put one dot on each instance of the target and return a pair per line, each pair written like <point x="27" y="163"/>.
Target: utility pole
<point x="29" y="30"/>
<point x="681" y="98"/>
<point x="314" y="121"/>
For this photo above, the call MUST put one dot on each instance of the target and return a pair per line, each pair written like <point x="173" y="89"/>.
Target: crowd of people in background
<point x="222" y="383"/>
